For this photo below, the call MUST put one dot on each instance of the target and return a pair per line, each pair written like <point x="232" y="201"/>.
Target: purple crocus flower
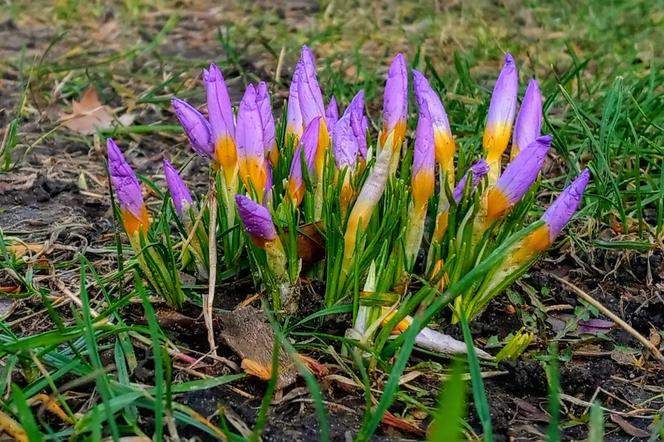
<point x="267" y="122"/>
<point x="331" y="114"/>
<point x="565" y="206"/>
<point x="127" y="190"/>
<point x="294" y="114"/>
<point x="250" y="144"/>
<point x="395" y="103"/>
<point x="529" y="120"/>
<point x="555" y="218"/>
<point x="517" y="178"/>
<point x="257" y="221"/>
<point x="177" y="188"/>
<point x="345" y="143"/>
<point x="220" y="114"/>
<point x="424" y="163"/>
<point x="443" y="139"/>
<point x="309" y="94"/>
<point x="196" y="127"/>
<point x="479" y="171"/>
<point x="358" y="122"/>
<point x="308" y="145"/>
<point x="220" y="110"/>
<point x="501" y="114"/>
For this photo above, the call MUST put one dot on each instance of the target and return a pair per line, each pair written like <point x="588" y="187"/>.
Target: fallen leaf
<point x="7" y="305"/>
<point x="246" y="331"/>
<point x="629" y="428"/>
<point x="20" y="249"/>
<point x="88" y="115"/>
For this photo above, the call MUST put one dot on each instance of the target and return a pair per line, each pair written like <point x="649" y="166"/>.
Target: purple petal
<point x="565" y="206"/>
<point x="479" y="170"/>
<point x="308" y="144"/>
<point x="126" y="185"/>
<point x="503" y="99"/>
<point x="249" y="127"/>
<point x="358" y="122"/>
<point x="331" y="114"/>
<point x="195" y="126"/>
<point x="523" y="170"/>
<point x="310" y="105"/>
<point x="345" y="143"/>
<point x="529" y="121"/>
<point x="294" y="114"/>
<point x="425" y="94"/>
<point x="177" y="188"/>
<point x="267" y="119"/>
<point x="256" y="219"/>
<point x="594" y="326"/>
<point x="220" y="111"/>
<point x="395" y="101"/>
<point x="424" y="155"/>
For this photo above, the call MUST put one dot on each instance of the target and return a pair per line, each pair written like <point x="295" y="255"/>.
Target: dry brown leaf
<point x="401" y="424"/>
<point x="629" y="428"/>
<point x="20" y="249"/>
<point x="88" y="115"/>
<point x="248" y="333"/>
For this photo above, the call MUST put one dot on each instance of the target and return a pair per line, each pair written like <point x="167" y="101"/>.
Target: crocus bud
<point x="331" y="114"/>
<point x="127" y="190"/>
<point x="358" y="122"/>
<point x="555" y="219"/>
<point x="529" y="120"/>
<point x="178" y="189"/>
<point x="395" y="103"/>
<point x="195" y="126"/>
<point x="479" y="171"/>
<point x="423" y="176"/>
<point x="307" y="146"/>
<point x="294" y="114"/>
<point x="345" y="143"/>
<point x="267" y="121"/>
<point x="501" y="115"/>
<point x="257" y="221"/>
<point x="250" y="144"/>
<point x="309" y="94"/>
<point x="517" y="178"/>
<point x="565" y="206"/>
<point x="220" y="114"/>
<point x="443" y="140"/>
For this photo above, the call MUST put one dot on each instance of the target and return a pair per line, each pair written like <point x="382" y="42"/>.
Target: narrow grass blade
<point x="479" y="393"/>
<point x="448" y="420"/>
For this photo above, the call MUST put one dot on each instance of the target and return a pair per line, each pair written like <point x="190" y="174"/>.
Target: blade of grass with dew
<point x="479" y="392"/>
<point x="448" y="420"/>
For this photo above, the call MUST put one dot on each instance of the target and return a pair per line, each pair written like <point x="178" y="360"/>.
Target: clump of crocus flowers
<point x="378" y="221"/>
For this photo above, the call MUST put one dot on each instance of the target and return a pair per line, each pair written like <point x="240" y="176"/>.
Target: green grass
<point x="601" y="72"/>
